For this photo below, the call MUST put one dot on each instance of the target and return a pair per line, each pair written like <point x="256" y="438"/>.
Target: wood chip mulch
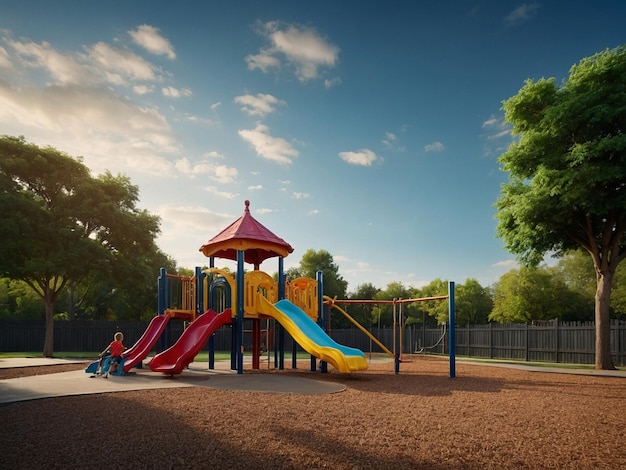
<point x="485" y="418"/>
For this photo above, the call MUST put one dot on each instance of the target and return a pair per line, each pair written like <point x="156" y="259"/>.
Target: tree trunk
<point x="604" y="361"/>
<point x="48" y="344"/>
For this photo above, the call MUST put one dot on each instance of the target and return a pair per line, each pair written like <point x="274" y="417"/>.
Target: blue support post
<point x="451" y="330"/>
<point x="281" y="347"/>
<point x="281" y="278"/>
<point x="200" y="307"/>
<point x="162" y="300"/>
<point x="240" y="309"/>
<point x="320" y="311"/>
<point x="279" y="360"/>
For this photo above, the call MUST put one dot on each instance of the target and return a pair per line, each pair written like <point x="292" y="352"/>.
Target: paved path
<point x="547" y="370"/>
<point x="79" y="383"/>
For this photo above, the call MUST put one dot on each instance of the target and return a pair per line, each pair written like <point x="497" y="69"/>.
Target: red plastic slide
<point x="140" y="350"/>
<point x="175" y="359"/>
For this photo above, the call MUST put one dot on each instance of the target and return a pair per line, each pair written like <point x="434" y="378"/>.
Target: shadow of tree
<point x="407" y="384"/>
<point x="341" y="455"/>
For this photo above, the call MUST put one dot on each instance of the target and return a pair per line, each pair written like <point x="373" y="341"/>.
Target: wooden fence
<point x="557" y="342"/>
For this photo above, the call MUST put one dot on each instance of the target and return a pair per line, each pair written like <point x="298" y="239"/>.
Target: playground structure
<point x="233" y="298"/>
<point x="398" y="321"/>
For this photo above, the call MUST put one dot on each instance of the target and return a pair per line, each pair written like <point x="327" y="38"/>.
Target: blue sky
<point x="367" y="129"/>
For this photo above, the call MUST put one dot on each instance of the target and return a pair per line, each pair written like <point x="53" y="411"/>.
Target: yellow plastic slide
<point x="311" y="337"/>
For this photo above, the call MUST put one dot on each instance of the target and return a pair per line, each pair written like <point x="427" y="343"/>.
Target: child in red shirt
<point x="115" y="349"/>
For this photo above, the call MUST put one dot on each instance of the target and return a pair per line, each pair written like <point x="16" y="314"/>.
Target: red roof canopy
<point x="248" y="235"/>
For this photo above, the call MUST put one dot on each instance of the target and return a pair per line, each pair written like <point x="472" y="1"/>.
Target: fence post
<point x="526" y="346"/>
<point x="556" y="339"/>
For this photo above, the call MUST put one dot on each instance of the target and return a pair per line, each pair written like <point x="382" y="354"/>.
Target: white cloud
<point x="264" y="210"/>
<point x="300" y="47"/>
<point x="490" y="122"/>
<point x="99" y="63"/>
<point x="223" y="194"/>
<point x="96" y="122"/>
<point x="522" y="13"/>
<point x="497" y="128"/>
<point x="151" y="39"/>
<point x="314" y="212"/>
<point x="214" y="106"/>
<point x="185" y="167"/>
<point x="63" y="68"/>
<point x="256" y="187"/>
<point x="497" y="135"/>
<point x="390" y="139"/>
<point x="434" y="147"/>
<point x="363" y="157"/>
<point x="200" y="120"/>
<point x="331" y="82"/>
<point x="187" y="219"/>
<point x="507" y="263"/>
<point x="81" y="102"/>
<point x="175" y="92"/>
<point x="120" y="65"/>
<point x="5" y="62"/>
<point x="219" y="173"/>
<point x="296" y="195"/>
<point x="266" y="146"/>
<point x="262" y="61"/>
<point x="143" y="89"/>
<point x="224" y="174"/>
<point x="214" y="154"/>
<point x="390" y="136"/>
<point x="259" y="104"/>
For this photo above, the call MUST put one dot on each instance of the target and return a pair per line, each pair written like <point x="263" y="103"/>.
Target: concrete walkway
<point x="545" y="370"/>
<point x="80" y="383"/>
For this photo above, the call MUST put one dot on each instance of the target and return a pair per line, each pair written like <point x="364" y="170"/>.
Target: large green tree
<point x="473" y="303"/>
<point x="437" y="309"/>
<point x="385" y="312"/>
<point x="59" y="223"/>
<point x="363" y="313"/>
<point x="525" y="295"/>
<point x="313" y="261"/>
<point x="567" y="174"/>
<point x="577" y="272"/>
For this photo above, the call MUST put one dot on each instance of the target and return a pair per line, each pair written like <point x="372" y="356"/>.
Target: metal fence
<point x="558" y="342"/>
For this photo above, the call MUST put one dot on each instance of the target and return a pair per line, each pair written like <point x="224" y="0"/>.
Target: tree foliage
<point x="437" y="309"/>
<point x="363" y="313"/>
<point x="576" y="270"/>
<point x="383" y="313"/>
<point x="567" y="174"/>
<point x="524" y="295"/>
<point x="313" y="261"/>
<point x="530" y="295"/>
<point x="473" y="303"/>
<point x="60" y="224"/>
<point x="17" y="300"/>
